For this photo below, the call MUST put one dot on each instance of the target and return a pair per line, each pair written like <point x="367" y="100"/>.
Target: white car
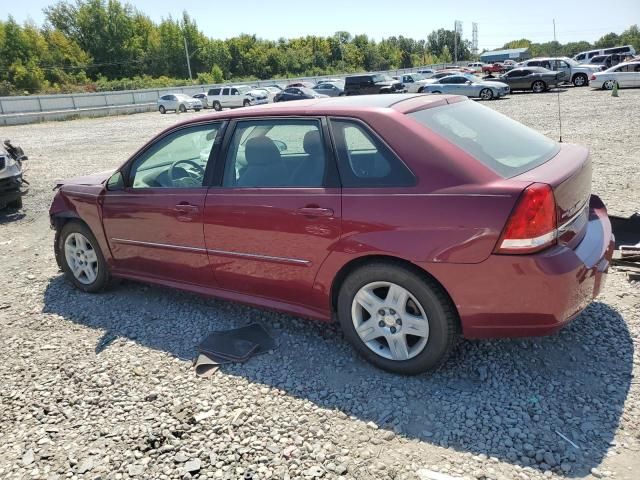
<point x="235" y="96"/>
<point x="414" y="82"/>
<point x="626" y="75"/>
<point x="178" y="102"/>
<point x="475" y="66"/>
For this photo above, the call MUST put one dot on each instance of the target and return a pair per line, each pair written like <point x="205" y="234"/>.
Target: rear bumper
<point x="531" y="295"/>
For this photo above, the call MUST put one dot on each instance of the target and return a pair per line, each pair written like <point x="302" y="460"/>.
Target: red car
<point x="410" y="219"/>
<point x="493" y="68"/>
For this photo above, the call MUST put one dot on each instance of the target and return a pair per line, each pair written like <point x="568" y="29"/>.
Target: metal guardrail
<point x="37" y="108"/>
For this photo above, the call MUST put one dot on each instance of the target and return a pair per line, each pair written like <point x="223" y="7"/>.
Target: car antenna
<point x="559" y="114"/>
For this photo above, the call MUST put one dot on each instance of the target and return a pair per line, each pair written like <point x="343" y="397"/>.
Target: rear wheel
<point x="486" y="94"/>
<point x="246" y="103"/>
<point x="82" y="260"/>
<point x="197" y="109"/>
<point x="580" y="80"/>
<point x="216" y="106"/>
<point x="436" y="92"/>
<point x="609" y="84"/>
<point x="397" y="319"/>
<point x="17" y="204"/>
<point x="162" y="109"/>
<point x="538" y="86"/>
<point x="421" y="89"/>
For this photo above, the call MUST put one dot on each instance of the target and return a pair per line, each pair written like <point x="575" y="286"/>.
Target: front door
<point x="154" y="224"/>
<point x="276" y="213"/>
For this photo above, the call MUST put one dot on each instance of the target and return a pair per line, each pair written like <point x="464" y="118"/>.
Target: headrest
<point x="313" y="143"/>
<point x="261" y="151"/>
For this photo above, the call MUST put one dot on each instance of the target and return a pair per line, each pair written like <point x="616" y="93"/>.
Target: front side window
<point x="178" y="160"/>
<point x="276" y="153"/>
<point x="502" y="144"/>
<point x="225" y="91"/>
<point x="364" y="160"/>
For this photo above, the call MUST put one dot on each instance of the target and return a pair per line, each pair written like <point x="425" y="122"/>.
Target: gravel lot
<point x="101" y="386"/>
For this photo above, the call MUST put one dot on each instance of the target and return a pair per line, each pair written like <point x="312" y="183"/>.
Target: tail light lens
<point x="593" y="77"/>
<point x="531" y="227"/>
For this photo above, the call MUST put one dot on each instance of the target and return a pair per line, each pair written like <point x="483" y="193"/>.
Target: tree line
<point x="92" y="45"/>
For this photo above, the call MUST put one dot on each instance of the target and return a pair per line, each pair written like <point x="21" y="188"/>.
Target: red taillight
<point x="531" y="227"/>
<point x="593" y="77"/>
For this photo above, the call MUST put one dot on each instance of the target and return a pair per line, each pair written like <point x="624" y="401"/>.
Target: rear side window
<point x="502" y="144"/>
<point x="364" y="160"/>
<point x="214" y="91"/>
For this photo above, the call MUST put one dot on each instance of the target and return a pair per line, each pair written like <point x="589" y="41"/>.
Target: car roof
<point x="351" y="105"/>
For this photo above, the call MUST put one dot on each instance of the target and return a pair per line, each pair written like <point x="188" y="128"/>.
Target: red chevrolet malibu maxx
<point x="411" y="219"/>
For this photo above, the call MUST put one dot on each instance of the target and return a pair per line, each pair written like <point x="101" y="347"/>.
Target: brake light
<point x="593" y="77"/>
<point x="531" y="227"/>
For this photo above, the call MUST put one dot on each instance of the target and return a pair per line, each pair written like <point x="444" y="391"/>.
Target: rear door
<point x="276" y="212"/>
<point x="225" y="97"/>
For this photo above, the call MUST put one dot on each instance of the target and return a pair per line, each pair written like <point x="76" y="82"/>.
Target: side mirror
<point x="115" y="182"/>
<point x="282" y="147"/>
<point x="468" y="82"/>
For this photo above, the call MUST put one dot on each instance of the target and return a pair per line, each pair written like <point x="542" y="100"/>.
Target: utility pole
<point x="455" y="42"/>
<point x="186" y="52"/>
<point x="554" y="29"/>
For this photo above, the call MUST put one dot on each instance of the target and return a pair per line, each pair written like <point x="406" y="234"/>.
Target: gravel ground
<point x="101" y="386"/>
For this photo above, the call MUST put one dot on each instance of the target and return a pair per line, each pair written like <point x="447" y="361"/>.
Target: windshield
<point x="382" y="78"/>
<point x="417" y="76"/>
<point x="570" y="61"/>
<point x="502" y="144"/>
<point x="472" y="77"/>
<point x="244" y="89"/>
<point x="307" y="91"/>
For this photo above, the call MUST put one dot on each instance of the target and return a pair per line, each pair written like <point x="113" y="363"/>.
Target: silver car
<point x="468" y="85"/>
<point x="178" y="102"/>
<point x="330" y="89"/>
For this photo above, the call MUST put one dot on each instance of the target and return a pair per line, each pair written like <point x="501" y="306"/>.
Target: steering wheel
<point x="198" y="174"/>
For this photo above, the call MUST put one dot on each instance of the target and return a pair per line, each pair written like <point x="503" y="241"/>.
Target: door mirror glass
<point x="468" y="82"/>
<point x="116" y="182"/>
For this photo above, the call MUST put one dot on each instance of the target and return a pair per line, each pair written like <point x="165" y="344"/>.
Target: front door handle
<point x="315" y="212"/>
<point x="186" y="208"/>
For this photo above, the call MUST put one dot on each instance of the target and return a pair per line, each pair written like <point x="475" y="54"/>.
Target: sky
<point x="499" y="21"/>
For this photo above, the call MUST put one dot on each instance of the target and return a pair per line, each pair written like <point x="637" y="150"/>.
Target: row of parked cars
<point x="537" y="75"/>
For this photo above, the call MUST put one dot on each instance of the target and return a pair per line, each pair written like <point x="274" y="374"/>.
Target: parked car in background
<point x="301" y="84"/>
<point x="297" y="93"/>
<point x="536" y="79"/>
<point x="493" y="68"/>
<point x="11" y="175"/>
<point x="372" y="83"/>
<point x="574" y="72"/>
<point x="427" y="72"/>
<point x="178" y="102"/>
<point x="330" y="89"/>
<point x="235" y="96"/>
<point x="426" y="217"/>
<point x="509" y="64"/>
<point x="441" y="74"/>
<point x="414" y="82"/>
<point x="585" y="57"/>
<point x="608" y="61"/>
<point x="203" y="99"/>
<point x="475" y="66"/>
<point x="626" y="75"/>
<point x="469" y="86"/>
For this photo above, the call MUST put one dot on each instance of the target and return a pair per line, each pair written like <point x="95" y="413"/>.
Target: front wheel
<point x="397" y="319"/>
<point x="246" y="103"/>
<point x="162" y="110"/>
<point x="609" y="84"/>
<point x="197" y="109"/>
<point x="486" y="94"/>
<point x="182" y="109"/>
<point x="538" y="86"/>
<point x="436" y="92"/>
<point x="82" y="260"/>
<point x="580" y="80"/>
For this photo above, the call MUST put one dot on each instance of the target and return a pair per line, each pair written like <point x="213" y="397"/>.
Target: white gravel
<point x="101" y="386"/>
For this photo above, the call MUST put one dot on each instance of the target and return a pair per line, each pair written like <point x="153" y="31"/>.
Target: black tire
<point x="182" y="109"/>
<point x="216" y="106"/>
<point x="246" y="103"/>
<point x="421" y="89"/>
<point x="580" y="80"/>
<point x="16" y="204"/>
<point x="102" y="277"/>
<point x="197" y="109"/>
<point x="488" y="96"/>
<point x="441" y="314"/>
<point x="538" y="86"/>
<point x="436" y="92"/>
<point x="162" y="109"/>
<point x="609" y="84"/>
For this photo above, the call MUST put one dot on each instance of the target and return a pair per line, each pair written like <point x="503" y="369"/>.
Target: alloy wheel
<point x="81" y="258"/>
<point x="390" y="321"/>
<point x="609" y="84"/>
<point x="538" y="87"/>
<point x="486" y="94"/>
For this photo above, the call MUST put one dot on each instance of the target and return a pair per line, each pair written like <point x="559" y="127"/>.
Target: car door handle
<point x="186" y="208"/>
<point x="315" y="212"/>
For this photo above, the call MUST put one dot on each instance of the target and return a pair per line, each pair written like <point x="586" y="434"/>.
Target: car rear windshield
<point x="504" y="145"/>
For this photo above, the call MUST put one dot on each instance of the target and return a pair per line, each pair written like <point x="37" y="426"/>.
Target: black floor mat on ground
<point x="237" y="345"/>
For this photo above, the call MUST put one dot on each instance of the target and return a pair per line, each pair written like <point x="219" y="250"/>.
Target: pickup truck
<point x="493" y="68"/>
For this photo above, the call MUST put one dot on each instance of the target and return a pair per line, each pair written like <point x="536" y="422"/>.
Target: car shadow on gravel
<point x="10" y="216"/>
<point x="552" y="403"/>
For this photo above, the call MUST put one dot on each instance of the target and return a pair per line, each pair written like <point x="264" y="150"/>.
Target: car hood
<point x="93" y="179"/>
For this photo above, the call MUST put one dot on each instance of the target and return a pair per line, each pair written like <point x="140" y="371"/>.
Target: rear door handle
<point x="186" y="208"/>
<point x="315" y="212"/>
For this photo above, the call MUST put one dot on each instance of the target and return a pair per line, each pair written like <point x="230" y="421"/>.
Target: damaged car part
<point x="11" y="175"/>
